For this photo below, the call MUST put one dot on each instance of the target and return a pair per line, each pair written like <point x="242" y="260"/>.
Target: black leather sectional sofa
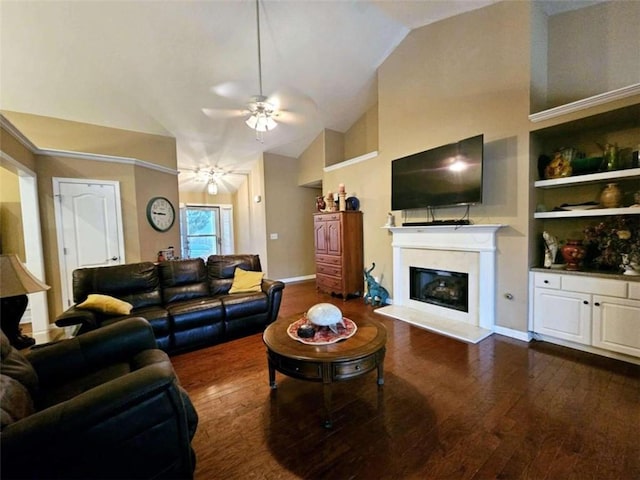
<point x="187" y="302"/>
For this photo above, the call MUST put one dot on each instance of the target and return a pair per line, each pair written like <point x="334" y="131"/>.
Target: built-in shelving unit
<point x="593" y="312"/>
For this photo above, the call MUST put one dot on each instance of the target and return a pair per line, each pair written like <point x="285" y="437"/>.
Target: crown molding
<point x="585" y="103"/>
<point x="51" y="152"/>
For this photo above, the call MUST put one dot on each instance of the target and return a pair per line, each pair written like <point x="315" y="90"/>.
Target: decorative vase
<point x="630" y="268"/>
<point x="573" y="253"/>
<point x="611" y="196"/>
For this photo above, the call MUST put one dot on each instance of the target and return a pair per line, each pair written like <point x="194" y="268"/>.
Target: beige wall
<point x="57" y="134"/>
<point x="593" y="50"/>
<point x="137" y="184"/>
<point x="311" y="162"/>
<point x="362" y="137"/>
<point x="203" y="198"/>
<point x="333" y="147"/>
<point x="289" y="215"/>
<point x="11" y="236"/>
<point x="447" y="81"/>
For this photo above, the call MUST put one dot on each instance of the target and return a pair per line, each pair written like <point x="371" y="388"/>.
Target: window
<point x="206" y="230"/>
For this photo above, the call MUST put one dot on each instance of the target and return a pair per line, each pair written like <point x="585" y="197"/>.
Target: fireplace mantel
<point x="458" y="247"/>
<point x="473" y="238"/>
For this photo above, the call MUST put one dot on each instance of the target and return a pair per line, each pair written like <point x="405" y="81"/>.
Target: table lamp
<point x="15" y="282"/>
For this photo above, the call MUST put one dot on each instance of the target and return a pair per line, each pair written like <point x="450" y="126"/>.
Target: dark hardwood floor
<point x="448" y="410"/>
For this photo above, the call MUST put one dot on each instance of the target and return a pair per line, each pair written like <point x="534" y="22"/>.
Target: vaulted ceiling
<point x="153" y="66"/>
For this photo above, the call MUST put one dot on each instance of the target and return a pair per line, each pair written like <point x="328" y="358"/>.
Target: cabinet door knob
<point x="597" y="304"/>
<point x="546" y="281"/>
<point x="585" y="302"/>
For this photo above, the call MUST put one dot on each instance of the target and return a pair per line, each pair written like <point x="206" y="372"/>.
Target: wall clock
<point x="160" y="213"/>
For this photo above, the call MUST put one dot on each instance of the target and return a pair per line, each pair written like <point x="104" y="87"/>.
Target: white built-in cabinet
<point x="593" y="310"/>
<point x="596" y="312"/>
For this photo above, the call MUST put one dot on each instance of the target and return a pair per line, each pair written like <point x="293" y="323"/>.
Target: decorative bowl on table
<point x="325" y="315"/>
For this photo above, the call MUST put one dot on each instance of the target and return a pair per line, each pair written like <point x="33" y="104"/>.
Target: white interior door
<point x="88" y="225"/>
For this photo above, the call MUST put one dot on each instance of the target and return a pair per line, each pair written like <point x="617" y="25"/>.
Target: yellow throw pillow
<point x="106" y="304"/>
<point x="244" y="281"/>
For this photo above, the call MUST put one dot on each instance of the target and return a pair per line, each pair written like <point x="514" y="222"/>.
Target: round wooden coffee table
<point x="335" y="362"/>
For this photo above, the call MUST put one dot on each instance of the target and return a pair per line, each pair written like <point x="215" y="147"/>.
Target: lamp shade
<point x="15" y="279"/>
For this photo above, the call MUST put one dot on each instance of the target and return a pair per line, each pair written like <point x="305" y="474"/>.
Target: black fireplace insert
<point x="439" y="287"/>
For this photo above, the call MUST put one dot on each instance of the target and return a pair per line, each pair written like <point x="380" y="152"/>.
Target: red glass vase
<point x="573" y="253"/>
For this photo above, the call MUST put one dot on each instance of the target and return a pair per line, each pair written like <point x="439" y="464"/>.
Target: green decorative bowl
<point x="582" y="166"/>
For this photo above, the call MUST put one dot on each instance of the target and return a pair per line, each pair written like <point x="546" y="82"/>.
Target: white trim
<point x="511" y="333"/>
<point x="37" y="312"/>
<point x="51" y="152"/>
<point x="586" y="348"/>
<point x="17" y="134"/>
<point x="298" y="279"/>
<point x="351" y="161"/>
<point x="585" y="103"/>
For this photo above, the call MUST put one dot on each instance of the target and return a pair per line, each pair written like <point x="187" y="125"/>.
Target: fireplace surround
<point x="469" y="251"/>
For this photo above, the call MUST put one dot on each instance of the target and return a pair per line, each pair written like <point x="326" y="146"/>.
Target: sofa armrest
<point x="273" y="289"/>
<point x="78" y="316"/>
<point x="77" y="356"/>
<point x="131" y="427"/>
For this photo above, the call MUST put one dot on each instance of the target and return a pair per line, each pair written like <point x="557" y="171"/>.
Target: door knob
<point x="113" y="258"/>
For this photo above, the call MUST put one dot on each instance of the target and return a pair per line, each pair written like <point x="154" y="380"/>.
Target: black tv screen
<point x="441" y="177"/>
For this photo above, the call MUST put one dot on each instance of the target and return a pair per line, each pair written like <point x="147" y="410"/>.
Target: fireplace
<point x="439" y="287"/>
<point x="444" y="279"/>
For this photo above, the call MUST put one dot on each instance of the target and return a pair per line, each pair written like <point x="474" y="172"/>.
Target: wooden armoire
<point x="338" y="250"/>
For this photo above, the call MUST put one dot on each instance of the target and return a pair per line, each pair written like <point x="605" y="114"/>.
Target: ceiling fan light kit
<point x="212" y="187"/>
<point x="262" y="112"/>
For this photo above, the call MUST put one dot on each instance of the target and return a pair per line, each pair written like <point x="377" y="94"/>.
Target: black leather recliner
<point x="106" y="404"/>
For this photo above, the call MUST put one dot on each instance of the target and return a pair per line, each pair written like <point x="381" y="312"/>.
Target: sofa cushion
<point x="106" y="304"/>
<point x="245" y="282"/>
<point x="244" y="305"/>
<point x="224" y="266"/>
<point x="183" y="279"/>
<point x="136" y="283"/>
<point x="15" y="401"/>
<point x="15" y="365"/>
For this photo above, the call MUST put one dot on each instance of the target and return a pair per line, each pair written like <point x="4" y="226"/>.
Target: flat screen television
<point x="444" y="176"/>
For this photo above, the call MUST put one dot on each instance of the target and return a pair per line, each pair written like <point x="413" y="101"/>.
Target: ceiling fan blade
<point x="232" y="90"/>
<point x="223" y="113"/>
<point x="289" y="117"/>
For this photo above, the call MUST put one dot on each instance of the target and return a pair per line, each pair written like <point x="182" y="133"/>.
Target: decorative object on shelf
<point x="573" y="253"/>
<point x="391" y="221"/>
<point x="353" y="204"/>
<point x="543" y="162"/>
<point x="611" y="196"/>
<point x="325" y="315"/>
<point x="629" y="267"/>
<point x="613" y="237"/>
<point x="320" y="203"/>
<point x="584" y="165"/>
<point x="15" y="282"/>
<point x="558" y="167"/>
<point x="342" y="198"/>
<point x="610" y="157"/>
<point x="330" y="202"/>
<point x="376" y="293"/>
<point x="550" y="249"/>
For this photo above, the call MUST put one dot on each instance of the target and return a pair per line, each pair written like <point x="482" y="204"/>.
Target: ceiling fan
<point x="213" y="178"/>
<point x="262" y="113"/>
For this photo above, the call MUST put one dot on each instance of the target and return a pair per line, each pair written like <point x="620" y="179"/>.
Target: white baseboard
<point x="297" y="279"/>
<point x="510" y="332"/>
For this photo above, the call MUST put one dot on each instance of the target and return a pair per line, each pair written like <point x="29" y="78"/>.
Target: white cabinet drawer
<point x="634" y="290"/>
<point x="599" y="286"/>
<point x="547" y="280"/>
